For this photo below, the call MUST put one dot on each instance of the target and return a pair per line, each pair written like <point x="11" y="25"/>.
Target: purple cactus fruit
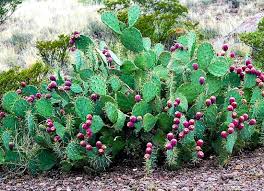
<point x="195" y="66"/>
<point x="99" y="144"/>
<point x="245" y="116"/>
<point x="2" y="114"/>
<point x="234" y="104"/>
<point x="232" y="55"/>
<point x="172" y="48"/>
<point x="89" y="147"/>
<point x="173" y="142"/>
<point x="199" y="143"/>
<point x="83" y="144"/>
<point x="213" y="99"/>
<point x="89" y="117"/>
<point x="186" y="124"/>
<point x="200" y="154"/>
<point x="38" y="95"/>
<point x="109" y="59"/>
<point x="198" y="115"/>
<point x="169" y="146"/>
<point x="30" y="99"/>
<point x="50" y="124"/>
<point x="230" y="108"/>
<point x="252" y="122"/>
<point x="186" y="131"/>
<point x="232" y="68"/>
<point x="52" y="78"/>
<point x="181" y="135"/>
<point x="19" y="91"/>
<point x="208" y="102"/>
<point x="67" y="88"/>
<point x="201" y="80"/>
<point x="48" y="129"/>
<point x="191" y="122"/>
<point x="169" y="103"/>
<point x="175" y="127"/>
<point x="248" y="61"/>
<point x="85" y="126"/>
<point x="230" y="130"/>
<point x="80" y="136"/>
<point x="235" y="122"/>
<point x="137" y="98"/>
<point x="23" y="84"/>
<point x="53" y="129"/>
<point x="148" y="150"/>
<point x="52" y="85"/>
<point x="225" y="47"/>
<point x="241" y="126"/>
<point x="88" y="123"/>
<point x="11" y="145"/>
<point x="191" y="127"/>
<point x="234" y="115"/>
<point x="68" y="83"/>
<point x="94" y="97"/>
<point x="130" y="124"/>
<point x="133" y="119"/>
<point x="231" y="100"/>
<point x="178" y="114"/>
<point x="149" y="145"/>
<point x="176" y="121"/>
<point x="170" y="136"/>
<point x="224" y="134"/>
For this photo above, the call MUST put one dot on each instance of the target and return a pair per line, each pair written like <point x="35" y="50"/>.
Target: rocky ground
<point x="244" y="172"/>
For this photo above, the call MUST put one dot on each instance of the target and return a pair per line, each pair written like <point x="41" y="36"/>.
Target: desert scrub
<point x="256" y="41"/>
<point x="10" y="79"/>
<point x="162" y="106"/>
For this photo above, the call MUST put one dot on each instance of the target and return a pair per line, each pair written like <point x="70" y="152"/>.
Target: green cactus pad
<point x="132" y="39"/>
<point x="149" y="122"/>
<point x="158" y="49"/>
<point x="83" y="107"/>
<point x="147" y="43"/>
<point x="44" y="108"/>
<point x="161" y="72"/>
<point x="145" y="61"/>
<point x="125" y="102"/>
<point x="214" y="84"/>
<point x="60" y="129"/>
<point x="182" y="56"/>
<point x="20" y="107"/>
<point x="190" y="91"/>
<point x="44" y="160"/>
<point x="6" y="138"/>
<point x="121" y="118"/>
<point x="111" y="111"/>
<point x="74" y="152"/>
<point x="115" y="83"/>
<point x="164" y="58"/>
<point x="133" y="15"/>
<point x="97" y="124"/>
<point x="149" y="91"/>
<point x="247" y="132"/>
<point x="218" y="67"/>
<point x="141" y="108"/>
<point x="199" y="130"/>
<point x="205" y="54"/>
<point x="128" y="67"/>
<point x="85" y="74"/>
<point x="10" y="122"/>
<point x="111" y="20"/>
<point x="177" y="66"/>
<point x="2" y="156"/>
<point x="29" y="90"/>
<point x="83" y="43"/>
<point x="183" y="107"/>
<point x="196" y="74"/>
<point x="230" y="142"/>
<point x="210" y="116"/>
<point x="250" y="80"/>
<point x="256" y="95"/>
<point x="76" y="88"/>
<point x="98" y="85"/>
<point x="9" y="99"/>
<point x="191" y="42"/>
<point x="165" y="122"/>
<point x="258" y="110"/>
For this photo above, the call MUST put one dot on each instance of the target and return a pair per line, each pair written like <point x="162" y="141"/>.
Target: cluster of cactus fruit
<point x="185" y="103"/>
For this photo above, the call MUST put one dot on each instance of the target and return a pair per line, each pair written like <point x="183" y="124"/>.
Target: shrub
<point x="159" y="19"/>
<point x="256" y="41"/>
<point x="10" y="80"/>
<point x="7" y="7"/>
<point x="186" y="104"/>
<point x="54" y="52"/>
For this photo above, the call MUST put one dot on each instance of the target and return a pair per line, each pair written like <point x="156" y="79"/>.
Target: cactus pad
<point x="125" y="102"/>
<point x="98" y="85"/>
<point x="29" y="90"/>
<point x="196" y="74"/>
<point x="133" y="15"/>
<point x="111" y="20"/>
<point x="76" y="88"/>
<point x="97" y="124"/>
<point x="205" y="54"/>
<point x="6" y="138"/>
<point x="44" y="108"/>
<point x="60" y="129"/>
<point x="83" y="43"/>
<point x="164" y="58"/>
<point x="147" y="43"/>
<point x="249" y="81"/>
<point x="132" y="39"/>
<point x="128" y="67"/>
<point x="141" y="108"/>
<point x="190" y="91"/>
<point x="149" y="91"/>
<point x="20" y="107"/>
<point x="83" y="107"/>
<point x="121" y="118"/>
<point x="111" y="111"/>
<point x="9" y="99"/>
<point x="74" y="152"/>
<point x="214" y="84"/>
<point x="145" y="61"/>
<point x="10" y="122"/>
<point x="115" y="83"/>
<point x="230" y="142"/>
<point x="149" y="122"/>
<point x="218" y="67"/>
<point x="44" y="160"/>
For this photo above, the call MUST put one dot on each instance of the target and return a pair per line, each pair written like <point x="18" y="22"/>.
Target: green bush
<point x="159" y="19"/>
<point x="10" y="80"/>
<point x="256" y="41"/>
<point x="54" y="52"/>
<point x="7" y="7"/>
<point x="158" y="105"/>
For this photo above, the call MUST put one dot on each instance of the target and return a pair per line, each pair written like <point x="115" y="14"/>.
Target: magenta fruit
<point x="89" y="123"/>
<point x="199" y="142"/>
<point x="231" y="100"/>
<point x="241" y="126"/>
<point x="234" y="104"/>
<point x="231" y="125"/>
<point x="149" y="145"/>
<point x="148" y="150"/>
<point x="94" y="97"/>
<point x="186" y="131"/>
<point x="195" y="66"/>
<point x="225" y="47"/>
<point x="80" y="136"/>
<point x="230" y="108"/>
<point x="181" y="135"/>
<point x="198" y="148"/>
<point x="170" y="136"/>
<point x="241" y="119"/>
<point x="191" y="122"/>
<point x="99" y="144"/>
<point x="130" y="124"/>
<point x="173" y="142"/>
<point x="248" y="61"/>
<point x="101" y="151"/>
<point x="232" y="68"/>
<point x="68" y="83"/>
<point x="252" y="122"/>
<point x="245" y="116"/>
<point x="232" y="55"/>
<point x="230" y="130"/>
<point x="224" y="134"/>
<point x="19" y="91"/>
<point x="208" y="102"/>
<point x="83" y="144"/>
<point x="201" y="80"/>
<point x="169" y="146"/>
<point x="138" y="98"/>
<point x="213" y="99"/>
<point x="133" y="119"/>
<point x="89" y="117"/>
<point x="178" y="100"/>
<point x="169" y="103"/>
<point x="198" y="115"/>
<point x="175" y="127"/>
<point x="235" y="122"/>
<point x="234" y="115"/>
<point x="23" y="84"/>
<point x="176" y="121"/>
<point x="52" y="78"/>
<point x="191" y="127"/>
<point x="89" y="147"/>
<point x="178" y="114"/>
<point x="186" y="124"/>
<point x="200" y="154"/>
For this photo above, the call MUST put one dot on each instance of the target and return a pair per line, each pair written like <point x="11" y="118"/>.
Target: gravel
<point x="244" y="172"/>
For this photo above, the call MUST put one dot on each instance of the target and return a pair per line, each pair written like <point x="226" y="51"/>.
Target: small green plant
<point x="256" y="41"/>
<point x="175" y="106"/>
<point x="54" y="52"/>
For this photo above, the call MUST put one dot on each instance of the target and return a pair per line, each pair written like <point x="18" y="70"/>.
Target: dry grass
<point x="42" y="20"/>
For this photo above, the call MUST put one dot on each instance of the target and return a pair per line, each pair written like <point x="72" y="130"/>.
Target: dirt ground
<point x="244" y="172"/>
